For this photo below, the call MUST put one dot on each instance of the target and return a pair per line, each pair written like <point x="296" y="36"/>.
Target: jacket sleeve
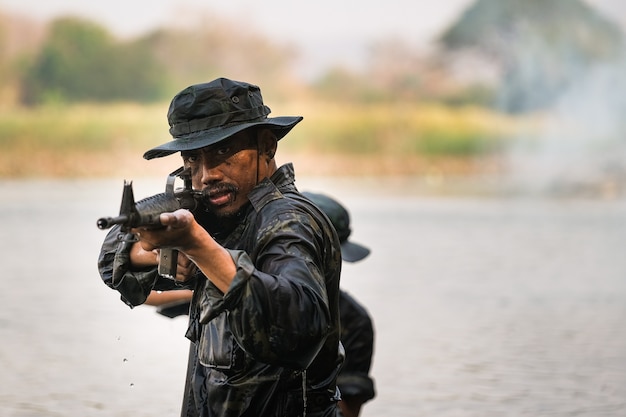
<point x="278" y="309"/>
<point x="116" y="272"/>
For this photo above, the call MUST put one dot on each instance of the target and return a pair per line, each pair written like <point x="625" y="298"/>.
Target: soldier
<point x="264" y="318"/>
<point x="357" y="330"/>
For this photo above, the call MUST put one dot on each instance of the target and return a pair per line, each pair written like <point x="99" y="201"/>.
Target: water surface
<point x="482" y="306"/>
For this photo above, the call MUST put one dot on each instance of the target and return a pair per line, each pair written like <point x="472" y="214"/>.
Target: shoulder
<point x="293" y="210"/>
<point x="272" y="200"/>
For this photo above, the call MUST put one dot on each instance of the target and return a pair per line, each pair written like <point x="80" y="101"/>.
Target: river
<point x="483" y="305"/>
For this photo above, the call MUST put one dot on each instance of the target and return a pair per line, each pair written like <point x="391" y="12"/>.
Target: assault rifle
<point x="146" y="212"/>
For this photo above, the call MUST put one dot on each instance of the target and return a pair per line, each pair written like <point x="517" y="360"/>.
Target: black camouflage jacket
<point x="276" y="329"/>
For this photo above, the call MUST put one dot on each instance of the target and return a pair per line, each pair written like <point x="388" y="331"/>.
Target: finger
<point x="177" y="219"/>
<point x="147" y="246"/>
<point x="186" y="272"/>
<point x="183" y="260"/>
<point x="181" y="277"/>
<point x="167" y="219"/>
<point x="146" y="238"/>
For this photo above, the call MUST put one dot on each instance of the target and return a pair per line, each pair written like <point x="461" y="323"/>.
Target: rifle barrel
<point x="108" y="222"/>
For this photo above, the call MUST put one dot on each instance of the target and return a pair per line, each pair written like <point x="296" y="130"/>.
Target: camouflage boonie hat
<point x="339" y="217"/>
<point x="205" y="114"/>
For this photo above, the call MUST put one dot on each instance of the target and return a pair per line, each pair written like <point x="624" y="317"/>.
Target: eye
<point x="190" y="158"/>
<point x="222" y="151"/>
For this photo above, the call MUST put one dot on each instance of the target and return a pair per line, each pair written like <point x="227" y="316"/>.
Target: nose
<point x="210" y="172"/>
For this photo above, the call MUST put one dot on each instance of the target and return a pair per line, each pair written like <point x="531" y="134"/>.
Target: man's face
<point x="226" y="172"/>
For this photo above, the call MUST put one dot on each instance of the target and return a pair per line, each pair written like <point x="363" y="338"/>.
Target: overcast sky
<point x="324" y="30"/>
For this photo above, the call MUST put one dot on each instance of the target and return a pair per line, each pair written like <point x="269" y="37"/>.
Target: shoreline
<point x="33" y="164"/>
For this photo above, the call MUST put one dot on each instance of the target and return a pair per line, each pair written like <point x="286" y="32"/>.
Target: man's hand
<point x="175" y="233"/>
<point x="144" y="254"/>
<point x="180" y="231"/>
<point x="185" y="269"/>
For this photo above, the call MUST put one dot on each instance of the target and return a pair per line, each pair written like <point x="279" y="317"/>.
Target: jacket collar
<point x="272" y="188"/>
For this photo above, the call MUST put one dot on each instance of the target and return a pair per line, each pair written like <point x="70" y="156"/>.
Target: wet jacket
<point x="270" y="345"/>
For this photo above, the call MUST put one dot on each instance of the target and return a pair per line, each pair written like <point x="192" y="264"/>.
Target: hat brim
<point x="197" y="140"/>
<point x="353" y="252"/>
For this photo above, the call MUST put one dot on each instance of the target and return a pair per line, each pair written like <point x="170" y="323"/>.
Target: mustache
<point x="219" y="188"/>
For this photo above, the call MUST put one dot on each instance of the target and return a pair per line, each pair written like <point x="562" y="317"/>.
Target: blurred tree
<point x="4" y="59"/>
<point x="540" y="48"/>
<point x="394" y="71"/>
<point x="213" y="47"/>
<point x="406" y="73"/>
<point x="20" y="37"/>
<point x="343" y="85"/>
<point x="81" y="61"/>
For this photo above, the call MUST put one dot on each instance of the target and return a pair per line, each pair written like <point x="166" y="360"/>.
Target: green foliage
<point x="80" y="61"/>
<point x="450" y="143"/>
<point x="98" y="139"/>
<point x="67" y="128"/>
<point x="400" y="129"/>
<point x="475" y="94"/>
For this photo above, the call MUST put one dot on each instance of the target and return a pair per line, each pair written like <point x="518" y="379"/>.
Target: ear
<point x="267" y="144"/>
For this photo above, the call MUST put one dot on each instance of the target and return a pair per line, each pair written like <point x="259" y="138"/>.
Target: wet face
<point x="227" y="171"/>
